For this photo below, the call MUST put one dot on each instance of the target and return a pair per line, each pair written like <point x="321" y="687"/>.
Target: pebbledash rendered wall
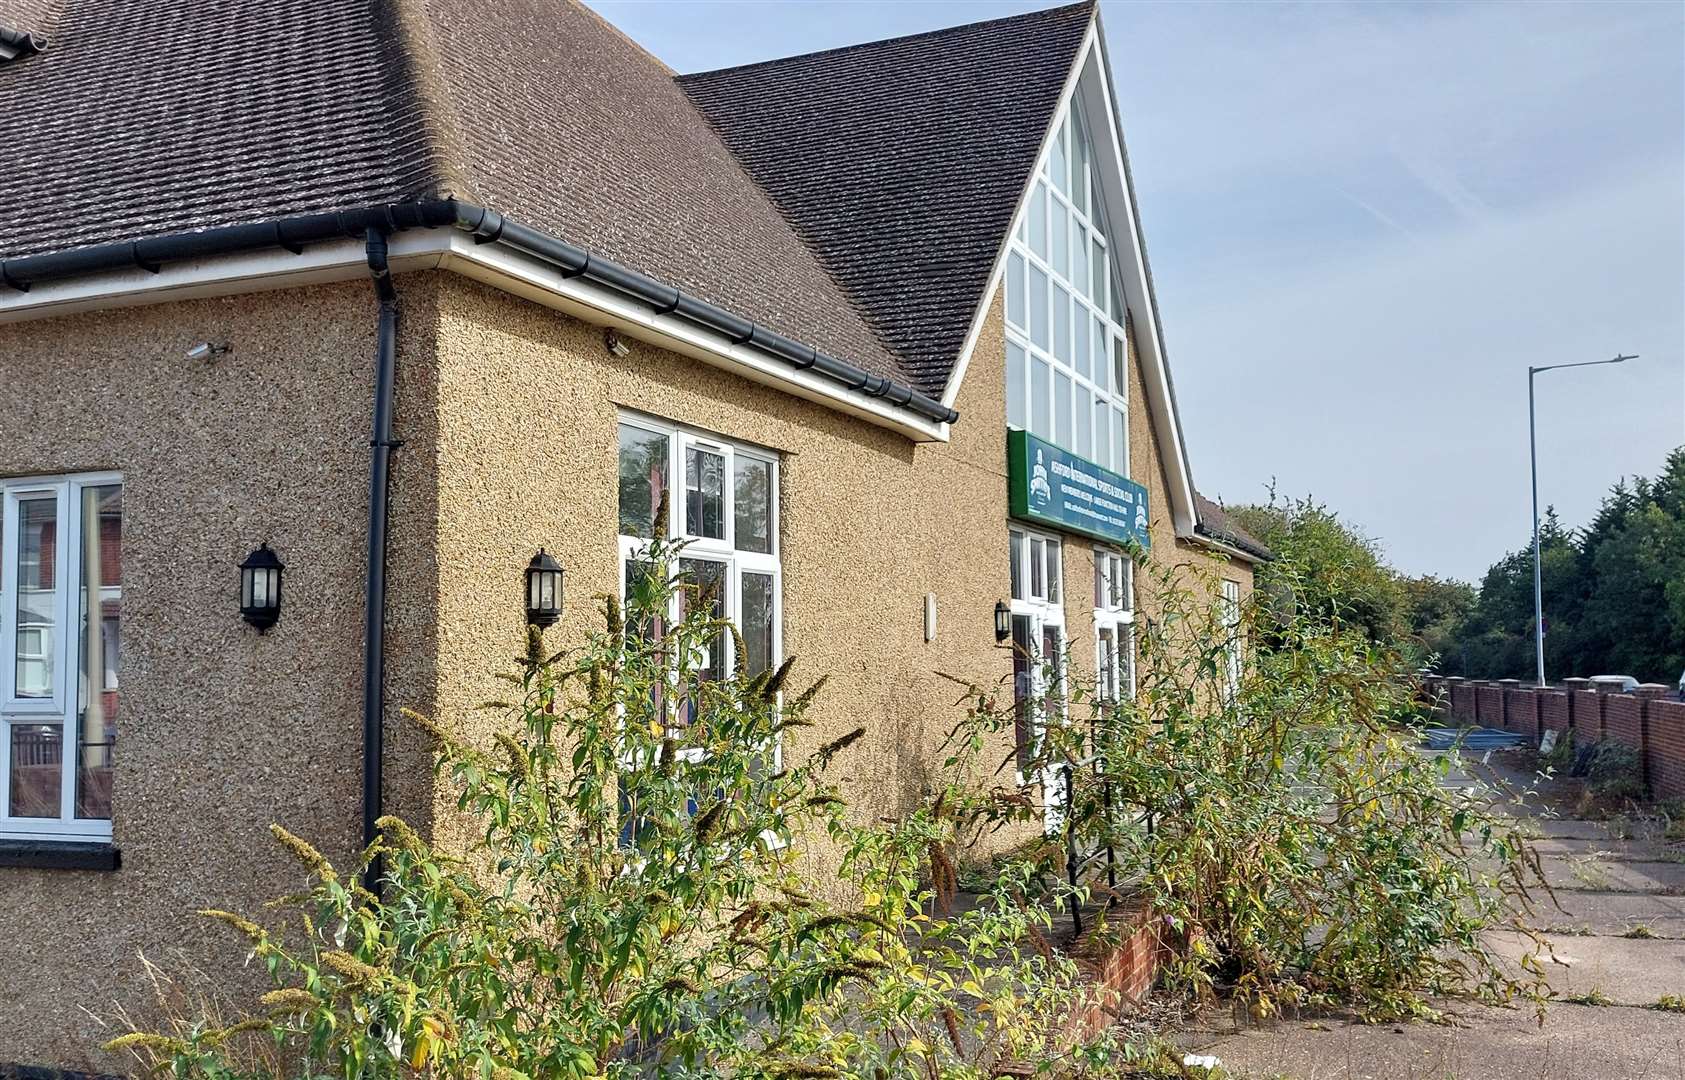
<point x="507" y="414"/>
<point x="1648" y="719"/>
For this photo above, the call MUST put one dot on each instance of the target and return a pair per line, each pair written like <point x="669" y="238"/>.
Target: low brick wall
<point x="1654" y="726"/>
<point x="1666" y="752"/>
<point x="1489" y="706"/>
<point x="1585" y="715"/>
<point x="1521" y="713"/>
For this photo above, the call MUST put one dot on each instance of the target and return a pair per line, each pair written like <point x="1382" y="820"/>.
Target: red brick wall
<point x="1623" y="719"/>
<point x="1585" y="712"/>
<point x="1552" y="709"/>
<point x="1666" y="757"/>
<point x="1462" y="701"/>
<point x="1521" y="713"/>
<point x="1489" y="706"/>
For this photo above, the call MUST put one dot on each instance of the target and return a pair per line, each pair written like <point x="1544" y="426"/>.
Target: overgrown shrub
<point x="633" y="904"/>
<point x="1615" y="773"/>
<point x="1274" y="804"/>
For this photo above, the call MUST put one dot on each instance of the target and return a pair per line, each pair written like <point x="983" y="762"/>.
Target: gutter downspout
<point x="381" y="445"/>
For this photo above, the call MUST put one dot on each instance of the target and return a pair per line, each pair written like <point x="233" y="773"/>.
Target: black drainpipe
<point x="381" y="445"/>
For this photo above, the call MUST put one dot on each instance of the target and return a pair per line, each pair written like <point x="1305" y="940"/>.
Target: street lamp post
<point x="1533" y="448"/>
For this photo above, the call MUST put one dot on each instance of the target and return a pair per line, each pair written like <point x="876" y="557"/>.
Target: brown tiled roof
<point x="901" y="162"/>
<point x="1215" y="523"/>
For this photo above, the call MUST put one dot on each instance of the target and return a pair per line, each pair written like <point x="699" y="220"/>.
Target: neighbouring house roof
<point x="1216" y="524"/>
<point x="902" y="162"/>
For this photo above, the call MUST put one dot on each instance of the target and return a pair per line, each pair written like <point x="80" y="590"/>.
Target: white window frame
<point x="681" y="438"/>
<point x="1230" y="600"/>
<point x="1044" y="611"/>
<point x="1116" y="612"/>
<point x="1049" y="198"/>
<point x="62" y="707"/>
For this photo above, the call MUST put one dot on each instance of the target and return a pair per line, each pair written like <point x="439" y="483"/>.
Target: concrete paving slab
<point x="1628" y="971"/>
<point x="1609" y="847"/>
<point x="1613" y="913"/>
<point x="1576" y="1043"/>
<point x="1614" y="875"/>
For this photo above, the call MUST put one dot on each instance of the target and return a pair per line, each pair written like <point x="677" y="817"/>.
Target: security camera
<point x="615" y="344"/>
<point x="206" y="350"/>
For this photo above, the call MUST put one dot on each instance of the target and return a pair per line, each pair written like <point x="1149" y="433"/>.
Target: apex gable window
<point x="1066" y="352"/>
<point x="61" y="600"/>
<point x="725" y="506"/>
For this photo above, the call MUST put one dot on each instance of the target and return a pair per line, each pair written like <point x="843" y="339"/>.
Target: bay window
<point x="61" y="598"/>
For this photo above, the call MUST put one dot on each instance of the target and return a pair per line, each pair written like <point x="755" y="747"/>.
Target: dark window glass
<point x="643" y="479"/>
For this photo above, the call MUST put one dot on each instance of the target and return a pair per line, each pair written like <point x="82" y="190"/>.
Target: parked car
<point x="1615" y="684"/>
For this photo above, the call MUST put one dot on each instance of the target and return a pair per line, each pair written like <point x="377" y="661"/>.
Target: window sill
<point x="59" y="854"/>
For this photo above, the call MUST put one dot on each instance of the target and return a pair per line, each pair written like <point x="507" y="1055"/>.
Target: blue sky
<point x="1365" y="222"/>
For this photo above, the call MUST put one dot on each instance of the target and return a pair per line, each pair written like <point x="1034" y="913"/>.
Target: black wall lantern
<point x="1003" y="621"/>
<point x="544" y="590"/>
<point x="260" y="588"/>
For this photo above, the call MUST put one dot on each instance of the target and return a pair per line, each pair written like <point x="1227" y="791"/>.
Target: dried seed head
<point x="308" y="856"/>
<point x="290" y="1000"/>
<point x="349" y="968"/>
<point x="250" y="929"/>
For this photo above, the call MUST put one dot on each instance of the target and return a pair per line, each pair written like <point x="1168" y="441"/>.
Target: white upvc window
<point x="1114" y="619"/>
<point x="1038" y="646"/>
<point x="61" y="598"/>
<point x="1067" y="353"/>
<point x="1232" y="634"/>
<point x="721" y="498"/>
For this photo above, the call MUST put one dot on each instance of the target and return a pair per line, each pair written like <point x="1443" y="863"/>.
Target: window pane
<point x="37" y="613"/>
<point x="1083" y="444"/>
<point x="704" y="585"/>
<point x="1079" y="339"/>
<point x="1038" y="585"/>
<point x="1079" y="258"/>
<point x="1016" y="410"/>
<point x="1119" y="312"/>
<point x="1120" y="370"/>
<point x="704" y="493"/>
<point x="1041" y="399"/>
<point x="1102" y="434"/>
<point x="1015" y="289"/>
<point x="645" y="621"/>
<point x="1038" y="219"/>
<point x="1119" y="465"/>
<point x="1016" y="555"/>
<point x="37" y="766"/>
<point x="643" y="479"/>
<point x="751" y="493"/>
<point x="1023" y="687"/>
<point x="1079" y="165"/>
<point x="101" y="611"/>
<point x="1097" y="274"/>
<point x="1102" y="369"/>
<point x="1038" y="308"/>
<point x="1061" y="325"/>
<point x="1099" y="579"/>
<point x="1061" y="254"/>
<point x="1060" y="158"/>
<point x="757" y="621"/>
<point x="1062" y="408"/>
<point x="1054" y="571"/>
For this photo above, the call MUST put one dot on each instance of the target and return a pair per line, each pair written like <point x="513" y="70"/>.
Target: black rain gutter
<point x="486" y="226"/>
<point x="381" y="445"/>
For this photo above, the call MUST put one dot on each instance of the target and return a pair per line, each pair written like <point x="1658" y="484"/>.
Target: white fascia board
<point x="1089" y="78"/>
<point x="493" y="264"/>
<point x="534" y="279"/>
<point x="1137" y="285"/>
<point x="227" y="275"/>
<point x="1227" y="549"/>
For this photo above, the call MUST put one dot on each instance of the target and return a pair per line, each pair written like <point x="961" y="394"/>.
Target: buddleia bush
<point x="637" y="902"/>
<point x="1264" y="790"/>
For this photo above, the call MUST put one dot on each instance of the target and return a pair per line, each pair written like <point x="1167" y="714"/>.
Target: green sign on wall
<point x="1053" y="487"/>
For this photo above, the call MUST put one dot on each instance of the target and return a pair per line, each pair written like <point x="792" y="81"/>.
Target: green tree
<point x="1339" y="576"/>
